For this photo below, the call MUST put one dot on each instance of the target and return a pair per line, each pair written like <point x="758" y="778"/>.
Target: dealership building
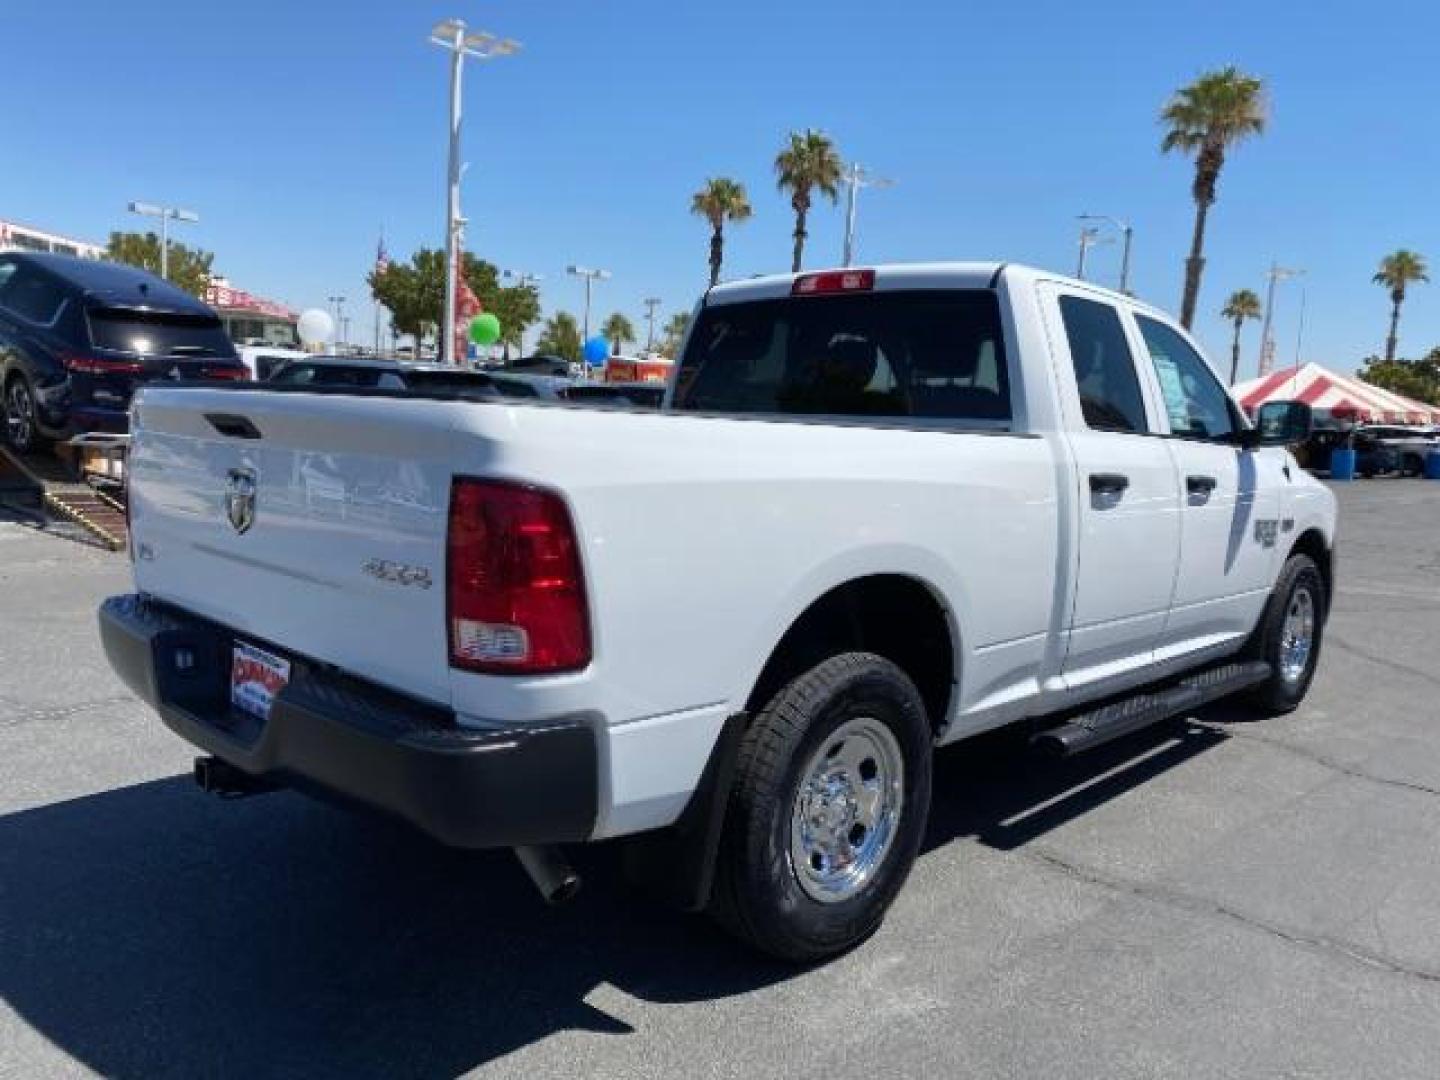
<point x="17" y="237"/>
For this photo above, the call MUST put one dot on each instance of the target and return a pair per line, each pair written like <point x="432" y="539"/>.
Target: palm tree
<point x="1205" y="119"/>
<point x="617" y="330"/>
<point x="808" y="162"/>
<point x="1243" y="304"/>
<point x="560" y="337"/>
<point x="674" y="333"/>
<point x="721" y="199"/>
<point x="1397" y="270"/>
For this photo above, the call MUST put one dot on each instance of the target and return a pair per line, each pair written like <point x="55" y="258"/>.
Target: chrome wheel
<point x="1297" y="636"/>
<point x="19" y="416"/>
<point x="846" y="809"/>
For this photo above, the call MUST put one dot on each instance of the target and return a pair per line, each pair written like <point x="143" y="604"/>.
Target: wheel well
<point x="1312" y="542"/>
<point x="893" y="616"/>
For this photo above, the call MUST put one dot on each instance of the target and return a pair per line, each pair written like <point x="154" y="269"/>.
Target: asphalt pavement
<point x="1218" y="897"/>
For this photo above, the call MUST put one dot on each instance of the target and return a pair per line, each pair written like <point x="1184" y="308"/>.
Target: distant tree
<point x="1418" y="379"/>
<point x="1398" y="270"/>
<point x="1205" y="119"/>
<point x="414" y="293"/>
<point x="719" y="201"/>
<point x="808" y="162"/>
<point x="189" y="267"/>
<point x="560" y="337"/>
<point x="674" y="333"/>
<point x="618" y="331"/>
<point x="1243" y="304"/>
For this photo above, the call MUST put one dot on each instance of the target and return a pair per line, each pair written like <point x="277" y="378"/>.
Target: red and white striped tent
<point x="1339" y="397"/>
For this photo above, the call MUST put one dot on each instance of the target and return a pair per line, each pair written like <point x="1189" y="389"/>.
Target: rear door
<point x="1127" y="497"/>
<point x="1230" y="509"/>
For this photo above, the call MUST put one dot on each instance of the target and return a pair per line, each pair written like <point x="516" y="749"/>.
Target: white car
<point x="881" y="510"/>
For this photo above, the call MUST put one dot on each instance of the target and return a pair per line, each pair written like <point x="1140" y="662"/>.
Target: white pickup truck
<point x="882" y="510"/>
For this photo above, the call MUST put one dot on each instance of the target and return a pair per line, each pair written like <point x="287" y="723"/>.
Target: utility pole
<point x="1127" y="233"/>
<point x="855" y="178"/>
<point x="339" y="302"/>
<point x="166" y="214"/>
<point x="451" y="35"/>
<point x="651" y="303"/>
<point x="1267" y="340"/>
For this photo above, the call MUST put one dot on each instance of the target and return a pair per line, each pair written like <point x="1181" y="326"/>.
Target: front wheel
<point x="21" y="426"/>
<point x="1289" y="636"/>
<point x="828" y="810"/>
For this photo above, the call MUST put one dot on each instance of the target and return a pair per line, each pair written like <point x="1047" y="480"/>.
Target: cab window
<point x="1196" y="403"/>
<point x="1110" y="397"/>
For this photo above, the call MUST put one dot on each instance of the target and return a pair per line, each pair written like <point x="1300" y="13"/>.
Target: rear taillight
<point x="516" y="589"/>
<point x="225" y="374"/>
<point x="833" y="281"/>
<point x="94" y="365"/>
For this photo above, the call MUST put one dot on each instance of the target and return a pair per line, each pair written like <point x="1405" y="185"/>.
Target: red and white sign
<point x="256" y="676"/>
<point x="225" y="296"/>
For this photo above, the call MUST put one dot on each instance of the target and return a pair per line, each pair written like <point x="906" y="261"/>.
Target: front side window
<point x="1110" y="398"/>
<point x="1195" y="401"/>
<point x="935" y="354"/>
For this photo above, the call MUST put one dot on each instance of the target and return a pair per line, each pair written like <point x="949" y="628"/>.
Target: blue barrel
<point x="1342" y="463"/>
<point x="1432" y="465"/>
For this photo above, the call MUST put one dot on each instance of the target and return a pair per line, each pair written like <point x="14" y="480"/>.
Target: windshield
<point x="933" y="354"/>
<point x="152" y="333"/>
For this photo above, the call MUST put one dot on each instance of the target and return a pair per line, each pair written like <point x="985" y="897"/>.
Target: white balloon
<point x="315" y="326"/>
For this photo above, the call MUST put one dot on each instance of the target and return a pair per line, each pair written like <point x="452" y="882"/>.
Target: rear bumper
<point x="326" y="731"/>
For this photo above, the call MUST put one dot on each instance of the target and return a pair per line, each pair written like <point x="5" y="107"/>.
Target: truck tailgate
<point x="315" y="524"/>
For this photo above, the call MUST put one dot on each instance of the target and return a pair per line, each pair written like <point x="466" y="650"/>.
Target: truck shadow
<point x="152" y="930"/>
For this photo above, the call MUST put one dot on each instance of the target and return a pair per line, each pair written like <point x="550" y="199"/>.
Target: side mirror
<point x="1283" y="423"/>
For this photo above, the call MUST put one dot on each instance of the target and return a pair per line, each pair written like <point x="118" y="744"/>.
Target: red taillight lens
<point x="833" y="281"/>
<point x="225" y="374"/>
<point x="516" y="589"/>
<point x="93" y="365"/>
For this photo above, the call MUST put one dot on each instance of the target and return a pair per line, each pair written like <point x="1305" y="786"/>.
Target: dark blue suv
<point x="77" y="336"/>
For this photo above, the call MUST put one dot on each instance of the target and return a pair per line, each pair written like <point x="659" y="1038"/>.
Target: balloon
<point x="485" y="329"/>
<point x="596" y="350"/>
<point x="315" y="326"/>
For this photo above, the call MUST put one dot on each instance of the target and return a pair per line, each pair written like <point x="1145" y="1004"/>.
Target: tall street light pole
<point x="1089" y="237"/>
<point x="1267" y="340"/>
<point x="166" y="214"/>
<point x="452" y="35"/>
<point x="856" y="176"/>
<point x="1127" y="233"/>
<point x="590" y="276"/>
<point x="339" y="302"/>
<point x="651" y="303"/>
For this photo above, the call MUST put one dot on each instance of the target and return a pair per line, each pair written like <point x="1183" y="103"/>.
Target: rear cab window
<point x="933" y="354"/>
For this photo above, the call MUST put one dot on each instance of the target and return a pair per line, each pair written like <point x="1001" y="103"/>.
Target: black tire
<point x="759" y="895"/>
<point x="1283" y="691"/>
<point x="1413" y="466"/>
<point x="19" y="395"/>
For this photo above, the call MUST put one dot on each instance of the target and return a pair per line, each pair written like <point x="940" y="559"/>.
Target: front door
<point x="1127" y="500"/>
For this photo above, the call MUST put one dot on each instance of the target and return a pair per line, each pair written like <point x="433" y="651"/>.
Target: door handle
<point x="1108" y="483"/>
<point x="1200" y="485"/>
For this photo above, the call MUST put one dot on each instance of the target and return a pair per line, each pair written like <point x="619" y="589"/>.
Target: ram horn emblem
<point x="240" y="498"/>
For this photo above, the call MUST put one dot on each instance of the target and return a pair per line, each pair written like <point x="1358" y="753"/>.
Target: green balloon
<point x="485" y="329"/>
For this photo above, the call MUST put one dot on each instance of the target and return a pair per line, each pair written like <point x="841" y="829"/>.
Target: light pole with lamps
<point x="590" y="277"/>
<point x="1127" y="232"/>
<point x="1089" y="237"/>
<point x="855" y="178"/>
<point x="453" y="36"/>
<point x="1267" y="341"/>
<point x="339" y="302"/>
<point x="651" y="303"/>
<point x="166" y="214"/>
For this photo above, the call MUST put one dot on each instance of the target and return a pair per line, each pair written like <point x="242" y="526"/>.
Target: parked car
<point x="883" y="510"/>
<point x="1393" y="448"/>
<point x="77" y="336"/>
<point x="263" y="360"/>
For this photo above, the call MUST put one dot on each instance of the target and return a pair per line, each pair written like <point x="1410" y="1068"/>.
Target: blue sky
<point x="297" y="130"/>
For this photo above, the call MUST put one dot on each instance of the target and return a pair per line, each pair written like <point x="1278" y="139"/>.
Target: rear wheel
<point x="1413" y="466"/>
<point x="1289" y="636"/>
<point x="21" y="431"/>
<point x="828" y="811"/>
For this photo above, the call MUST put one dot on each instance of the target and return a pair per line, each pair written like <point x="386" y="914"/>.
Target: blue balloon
<point x="597" y="349"/>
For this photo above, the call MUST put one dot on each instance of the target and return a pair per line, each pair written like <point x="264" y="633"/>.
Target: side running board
<point x="1099" y="726"/>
